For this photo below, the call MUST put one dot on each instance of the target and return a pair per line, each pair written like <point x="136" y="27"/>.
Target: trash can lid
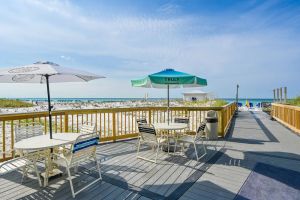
<point x="211" y="119"/>
<point x="211" y="113"/>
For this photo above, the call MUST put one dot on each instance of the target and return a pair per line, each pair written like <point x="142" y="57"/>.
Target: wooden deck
<point x="253" y="138"/>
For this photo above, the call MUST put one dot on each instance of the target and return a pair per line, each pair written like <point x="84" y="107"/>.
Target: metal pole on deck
<point x="237" y="96"/>
<point x="168" y="103"/>
<point x="49" y="105"/>
<point x="280" y="91"/>
<point x="285" y="94"/>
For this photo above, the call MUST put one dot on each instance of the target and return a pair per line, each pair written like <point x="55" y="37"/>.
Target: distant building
<point x="196" y="95"/>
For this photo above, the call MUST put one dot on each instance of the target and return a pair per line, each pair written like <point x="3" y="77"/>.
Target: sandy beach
<point x="43" y="106"/>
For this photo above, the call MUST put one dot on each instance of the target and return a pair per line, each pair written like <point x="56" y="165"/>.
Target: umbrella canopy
<point x="37" y="72"/>
<point x="169" y="78"/>
<point x="45" y="72"/>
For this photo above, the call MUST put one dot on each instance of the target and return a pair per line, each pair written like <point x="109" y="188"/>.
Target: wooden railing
<point x="287" y="115"/>
<point x="112" y="124"/>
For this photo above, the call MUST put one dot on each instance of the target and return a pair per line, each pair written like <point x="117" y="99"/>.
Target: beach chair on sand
<point x="149" y="137"/>
<point x="251" y="105"/>
<point x="82" y="151"/>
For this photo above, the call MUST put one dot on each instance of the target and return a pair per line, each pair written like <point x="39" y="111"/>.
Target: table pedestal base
<point x="54" y="174"/>
<point x="171" y="148"/>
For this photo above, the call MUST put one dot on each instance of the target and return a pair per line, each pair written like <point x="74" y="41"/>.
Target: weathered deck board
<point x="255" y="138"/>
<point x="219" y="175"/>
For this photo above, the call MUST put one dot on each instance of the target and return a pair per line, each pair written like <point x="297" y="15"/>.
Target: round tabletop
<point x="170" y="126"/>
<point x="44" y="141"/>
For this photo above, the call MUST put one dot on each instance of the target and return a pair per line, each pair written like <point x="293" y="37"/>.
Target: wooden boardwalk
<point x="219" y="175"/>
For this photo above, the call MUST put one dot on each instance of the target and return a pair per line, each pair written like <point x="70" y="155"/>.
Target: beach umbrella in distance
<point x="45" y="72"/>
<point x="169" y="78"/>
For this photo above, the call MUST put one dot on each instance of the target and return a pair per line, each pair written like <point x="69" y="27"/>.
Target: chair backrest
<point x="200" y="130"/>
<point x="148" y="132"/>
<point x="27" y="130"/>
<point x="141" y="120"/>
<point x="183" y="120"/>
<point x="87" y="127"/>
<point x="84" y="148"/>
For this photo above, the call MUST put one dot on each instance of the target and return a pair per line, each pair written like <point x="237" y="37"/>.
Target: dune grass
<point x="13" y="103"/>
<point x="219" y="103"/>
<point x="295" y="101"/>
<point x="195" y="103"/>
<point x="213" y="103"/>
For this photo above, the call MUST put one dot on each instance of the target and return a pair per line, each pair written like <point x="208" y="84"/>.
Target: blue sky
<point x="252" y="43"/>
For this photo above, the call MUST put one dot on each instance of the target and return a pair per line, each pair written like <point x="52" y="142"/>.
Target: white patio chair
<point x="141" y="120"/>
<point x="182" y="120"/>
<point x="193" y="139"/>
<point x="148" y="136"/>
<point x="87" y="127"/>
<point x="17" y="164"/>
<point x="83" y="150"/>
<point x="27" y="160"/>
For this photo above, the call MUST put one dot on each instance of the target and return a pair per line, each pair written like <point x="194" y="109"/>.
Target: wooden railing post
<point x="149" y="117"/>
<point x="3" y="139"/>
<point x="223" y="121"/>
<point x="114" y="131"/>
<point x="66" y="122"/>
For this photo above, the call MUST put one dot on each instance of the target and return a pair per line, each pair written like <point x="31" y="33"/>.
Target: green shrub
<point x="295" y="101"/>
<point x="13" y="103"/>
<point x="219" y="103"/>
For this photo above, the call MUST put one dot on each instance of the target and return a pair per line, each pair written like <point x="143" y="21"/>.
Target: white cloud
<point x="221" y="50"/>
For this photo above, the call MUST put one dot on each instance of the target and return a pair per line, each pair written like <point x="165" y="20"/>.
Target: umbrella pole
<point x="49" y="106"/>
<point x="168" y="103"/>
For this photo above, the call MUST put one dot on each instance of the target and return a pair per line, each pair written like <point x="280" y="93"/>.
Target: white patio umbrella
<point x="45" y="72"/>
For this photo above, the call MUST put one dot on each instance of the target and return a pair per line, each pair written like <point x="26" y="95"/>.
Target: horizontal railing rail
<point x="111" y="123"/>
<point x="287" y="115"/>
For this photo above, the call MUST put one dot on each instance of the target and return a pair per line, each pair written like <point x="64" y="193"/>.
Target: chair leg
<point x="98" y="167"/>
<point x="196" y="151"/>
<point x="37" y="174"/>
<point x="138" y="148"/>
<point x="156" y="153"/>
<point x="76" y="169"/>
<point x="71" y="183"/>
<point x="204" y="148"/>
<point x="168" y="145"/>
<point x="25" y="171"/>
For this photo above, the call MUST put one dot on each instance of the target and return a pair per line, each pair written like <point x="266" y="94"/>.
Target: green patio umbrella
<point x="169" y="78"/>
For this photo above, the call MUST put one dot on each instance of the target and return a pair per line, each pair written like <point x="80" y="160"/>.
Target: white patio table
<point x="169" y="127"/>
<point x="43" y="142"/>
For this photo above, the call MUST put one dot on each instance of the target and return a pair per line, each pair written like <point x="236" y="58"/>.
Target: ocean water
<point x="255" y="101"/>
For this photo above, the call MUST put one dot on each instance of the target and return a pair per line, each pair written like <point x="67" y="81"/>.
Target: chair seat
<point x="186" y="138"/>
<point x="12" y="165"/>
